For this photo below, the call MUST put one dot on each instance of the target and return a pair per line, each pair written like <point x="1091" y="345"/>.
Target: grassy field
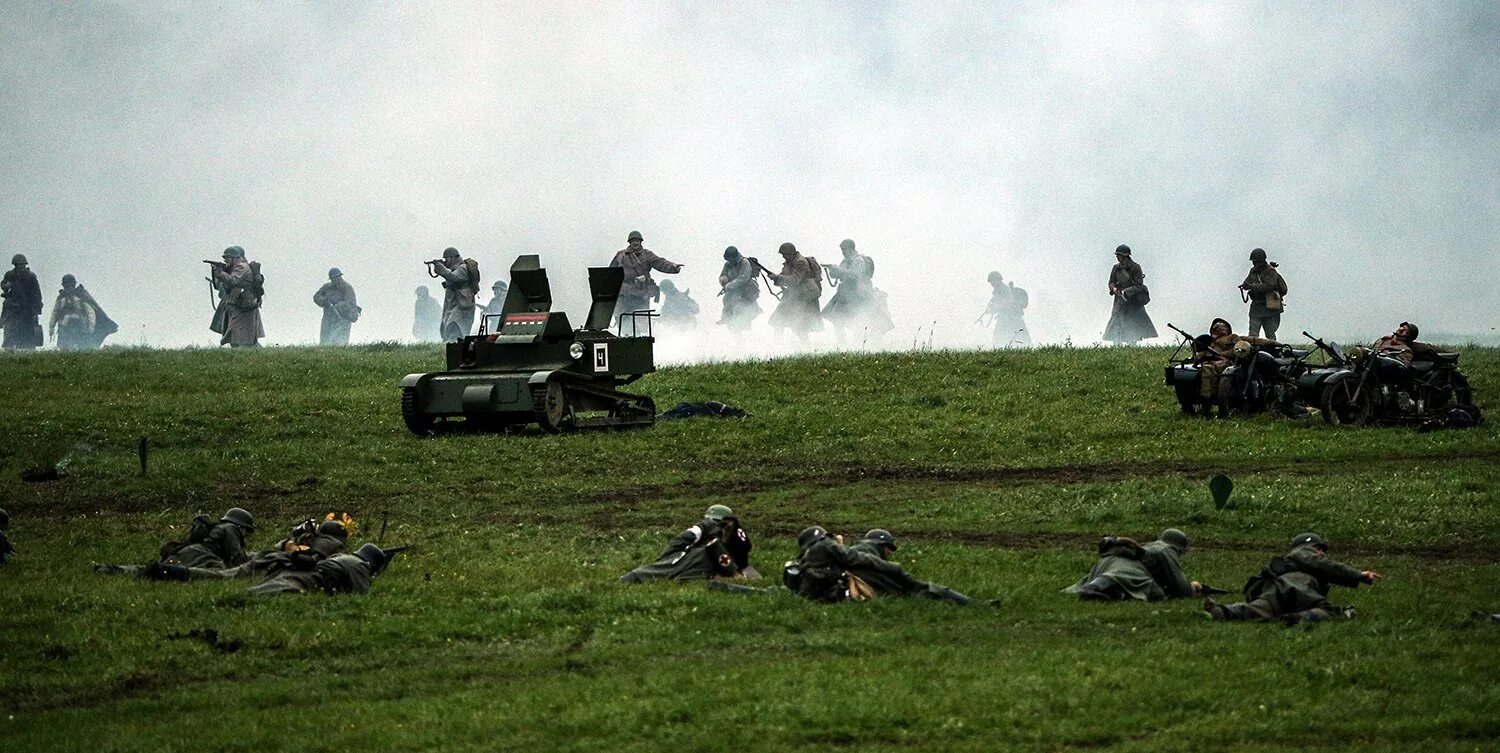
<point x="505" y="628"/>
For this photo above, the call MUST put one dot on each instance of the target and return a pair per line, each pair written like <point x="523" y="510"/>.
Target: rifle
<point x="1206" y="590"/>
<point x="765" y="276"/>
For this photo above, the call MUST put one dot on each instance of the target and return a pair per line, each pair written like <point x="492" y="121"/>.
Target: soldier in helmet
<point x="72" y="323"/>
<point x="881" y="543"/>
<point x="678" y="309"/>
<point x="1264" y="289"/>
<point x="739" y="285"/>
<point x="340" y="309"/>
<point x="639" y="289"/>
<point x="828" y="571"/>
<point x="1127" y="570"/>
<point x="801" y="283"/>
<point x="427" y="317"/>
<point x="714" y="547"/>
<point x="1128" y="320"/>
<point x="856" y="303"/>
<point x="1007" y="310"/>
<point x="1401" y="345"/>
<point x="460" y="285"/>
<point x="241" y="289"/>
<point x="209" y="546"/>
<point x="1294" y="587"/>
<point x="496" y="306"/>
<point x="1222" y="348"/>
<point x="339" y="574"/>
<point x="7" y="552"/>
<point x="20" y="314"/>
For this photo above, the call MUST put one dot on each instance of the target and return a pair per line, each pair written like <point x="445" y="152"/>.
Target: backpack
<point x="1020" y="297"/>
<point x="473" y="273"/>
<point x="199" y="529"/>
<point x="257" y="282"/>
<point x="817" y="272"/>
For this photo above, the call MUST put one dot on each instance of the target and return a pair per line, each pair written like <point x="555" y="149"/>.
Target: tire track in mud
<point x="847" y="474"/>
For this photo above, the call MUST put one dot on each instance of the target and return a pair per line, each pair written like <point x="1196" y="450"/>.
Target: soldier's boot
<point x="944" y="593"/>
<point x="118" y="569"/>
<point x="1318" y="614"/>
<point x="159" y="571"/>
<point x="1100" y="589"/>
<point x="1229" y="612"/>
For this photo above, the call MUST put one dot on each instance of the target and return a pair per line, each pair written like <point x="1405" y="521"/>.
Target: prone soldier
<point x="826" y="570"/>
<point x="1294" y="587"/>
<point x="1128" y="571"/>
<point x="342" y="573"/>
<point x="210" y="546"/>
<point x="715" y="547"/>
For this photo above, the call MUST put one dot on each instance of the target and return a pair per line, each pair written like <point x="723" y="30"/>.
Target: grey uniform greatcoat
<point x="741" y="284"/>
<point x="1128" y="322"/>
<point x="694" y="554"/>
<point x="340" y="310"/>
<point x="20" y="314"/>
<point x="238" y="317"/>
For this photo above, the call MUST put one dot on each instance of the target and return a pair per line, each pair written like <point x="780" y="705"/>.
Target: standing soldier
<point x="20" y="315"/>
<point x="1294" y="587"/>
<point x="678" y="309"/>
<point x="340" y="310"/>
<point x="241" y="288"/>
<point x="72" y="323"/>
<point x="801" y="283"/>
<point x="1128" y="321"/>
<point x="426" y="321"/>
<point x="856" y="303"/>
<point x="639" y="289"/>
<point x="1264" y="289"/>
<point x="1007" y="308"/>
<point x="739" y="285"/>
<point x="461" y="284"/>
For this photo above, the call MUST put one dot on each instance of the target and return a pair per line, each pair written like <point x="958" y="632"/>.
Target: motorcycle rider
<point x="1401" y="345"/>
<point x="1221" y="350"/>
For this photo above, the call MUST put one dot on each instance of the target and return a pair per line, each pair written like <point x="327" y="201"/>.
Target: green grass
<point x="504" y="628"/>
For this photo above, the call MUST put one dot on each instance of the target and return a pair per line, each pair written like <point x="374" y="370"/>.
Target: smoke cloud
<point x="1357" y="143"/>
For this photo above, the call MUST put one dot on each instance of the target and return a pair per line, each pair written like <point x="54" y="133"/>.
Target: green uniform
<point x="1263" y="280"/>
<point x="898" y="582"/>
<point x="344" y="573"/>
<point x="273" y="561"/>
<point x="1293" y="584"/>
<point x="222" y="548"/>
<point x="697" y="553"/>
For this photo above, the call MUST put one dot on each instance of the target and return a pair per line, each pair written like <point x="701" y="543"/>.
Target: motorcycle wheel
<point x="1461" y="393"/>
<point x="1342" y="408"/>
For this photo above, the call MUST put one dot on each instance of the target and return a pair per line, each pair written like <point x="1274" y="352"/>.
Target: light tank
<point x="528" y="365"/>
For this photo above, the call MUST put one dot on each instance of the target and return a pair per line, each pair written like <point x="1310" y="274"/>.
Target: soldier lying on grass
<point x="1294" y="587"/>
<point x="1127" y="570"/>
<point x="714" y="547"/>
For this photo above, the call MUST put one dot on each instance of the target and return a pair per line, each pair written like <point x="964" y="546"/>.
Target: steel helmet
<point x="882" y="537"/>
<point x="18" y="260"/>
<point x="1305" y="539"/>
<point x="335" y="272"/>
<point x="1258" y="254"/>
<point x="731" y="253"/>
<point x="69" y="281"/>
<point x="333" y="528"/>
<point x="374" y="555"/>
<point x="1122" y="250"/>
<point x="810" y="535"/>
<point x="240" y="517"/>
<point x="635" y="235"/>
<point x="718" y="513"/>
<point x="847" y="244"/>
<point x="1175" y="537"/>
<point x="234" y="252"/>
<point x="787" y="248"/>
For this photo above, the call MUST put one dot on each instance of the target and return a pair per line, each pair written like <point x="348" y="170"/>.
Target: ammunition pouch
<point x="826" y="584"/>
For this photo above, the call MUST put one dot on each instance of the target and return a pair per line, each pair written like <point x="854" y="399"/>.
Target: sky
<point x="1358" y="143"/>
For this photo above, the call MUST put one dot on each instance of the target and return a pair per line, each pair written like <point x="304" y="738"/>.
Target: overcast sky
<point x="1356" y="142"/>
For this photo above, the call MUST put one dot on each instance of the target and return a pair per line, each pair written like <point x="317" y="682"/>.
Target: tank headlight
<point x="576" y="351"/>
